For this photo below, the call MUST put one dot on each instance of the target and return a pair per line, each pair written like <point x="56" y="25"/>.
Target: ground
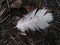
<point x="12" y="36"/>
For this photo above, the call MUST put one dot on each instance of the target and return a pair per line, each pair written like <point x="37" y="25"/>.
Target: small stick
<point x="4" y="19"/>
<point x="8" y="4"/>
<point x="58" y="3"/>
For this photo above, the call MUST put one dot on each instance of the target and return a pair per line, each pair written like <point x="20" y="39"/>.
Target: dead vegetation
<point x="11" y="36"/>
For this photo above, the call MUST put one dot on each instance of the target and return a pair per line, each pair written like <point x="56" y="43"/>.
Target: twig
<point x="23" y="34"/>
<point x="1" y="12"/>
<point x="12" y="37"/>
<point x="8" y="4"/>
<point x="58" y="3"/>
<point x="4" y="19"/>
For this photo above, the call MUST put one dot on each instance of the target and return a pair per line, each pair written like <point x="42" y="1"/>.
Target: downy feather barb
<point x="32" y="21"/>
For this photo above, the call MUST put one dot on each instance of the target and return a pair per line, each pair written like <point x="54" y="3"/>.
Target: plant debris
<point x="8" y="17"/>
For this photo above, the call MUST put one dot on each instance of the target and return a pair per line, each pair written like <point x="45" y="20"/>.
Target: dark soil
<point x="11" y="36"/>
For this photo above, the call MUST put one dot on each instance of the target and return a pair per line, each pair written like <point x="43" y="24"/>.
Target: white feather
<point x="32" y="21"/>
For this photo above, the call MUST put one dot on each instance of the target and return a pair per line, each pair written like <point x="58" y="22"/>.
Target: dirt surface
<point x="9" y="35"/>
